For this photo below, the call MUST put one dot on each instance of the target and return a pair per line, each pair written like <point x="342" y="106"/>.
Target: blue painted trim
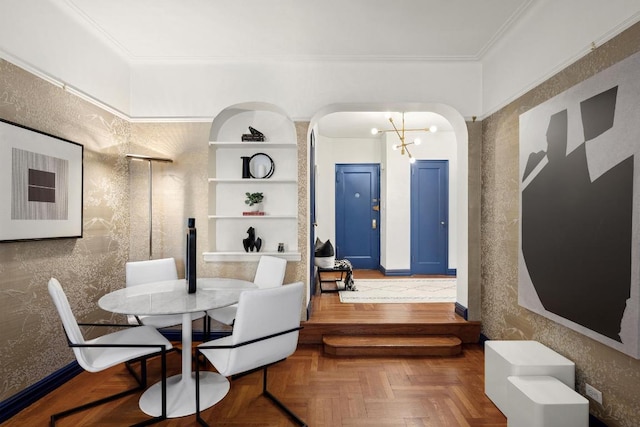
<point x="483" y="339"/>
<point x="395" y="272"/>
<point x="31" y="394"/>
<point x="462" y="311"/>
<point x="381" y="269"/>
<point x="594" y="422"/>
<point x="172" y="334"/>
<point x="176" y="334"/>
<point x="309" y="309"/>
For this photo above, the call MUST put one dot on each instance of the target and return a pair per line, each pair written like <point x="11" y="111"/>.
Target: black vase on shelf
<point x="246" y="167"/>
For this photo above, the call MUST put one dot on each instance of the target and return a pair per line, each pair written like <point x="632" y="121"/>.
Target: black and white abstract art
<point x="579" y="210"/>
<point x="40" y="185"/>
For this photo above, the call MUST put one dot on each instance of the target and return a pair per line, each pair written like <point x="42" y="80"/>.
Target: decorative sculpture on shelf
<point x="190" y="262"/>
<point x="255" y="135"/>
<point x="251" y="242"/>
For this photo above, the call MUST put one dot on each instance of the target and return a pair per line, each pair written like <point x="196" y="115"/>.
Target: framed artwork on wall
<point x="41" y="182"/>
<point x="580" y="208"/>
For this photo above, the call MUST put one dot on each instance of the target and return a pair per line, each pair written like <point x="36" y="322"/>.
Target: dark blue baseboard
<point x="449" y="272"/>
<point x="309" y="309"/>
<point x="462" y="311"/>
<point x="176" y="335"/>
<point x="594" y="422"/>
<point x="394" y="272"/>
<point x="483" y="339"/>
<point x="31" y="394"/>
<point x="19" y="401"/>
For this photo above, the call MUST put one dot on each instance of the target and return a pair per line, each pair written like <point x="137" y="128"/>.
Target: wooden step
<point x="468" y="332"/>
<point x="392" y="345"/>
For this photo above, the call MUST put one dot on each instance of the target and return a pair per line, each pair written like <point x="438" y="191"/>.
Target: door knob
<point x="374" y="224"/>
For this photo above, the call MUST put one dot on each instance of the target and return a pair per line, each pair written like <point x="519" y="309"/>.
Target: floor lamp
<point x="140" y="157"/>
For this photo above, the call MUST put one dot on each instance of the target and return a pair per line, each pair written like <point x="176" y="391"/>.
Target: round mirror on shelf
<point x="261" y="166"/>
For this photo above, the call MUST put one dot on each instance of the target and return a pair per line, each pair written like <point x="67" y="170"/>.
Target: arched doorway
<point x="459" y="137"/>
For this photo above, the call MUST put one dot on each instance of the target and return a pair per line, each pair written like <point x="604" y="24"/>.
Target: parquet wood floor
<point x="327" y="308"/>
<point x="326" y="391"/>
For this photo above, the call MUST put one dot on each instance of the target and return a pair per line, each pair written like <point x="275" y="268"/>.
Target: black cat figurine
<point x="251" y="243"/>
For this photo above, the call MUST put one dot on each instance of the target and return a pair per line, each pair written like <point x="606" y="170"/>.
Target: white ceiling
<point x="371" y="30"/>
<point x="190" y="58"/>
<point x="359" y="124"/>
<point x="300" y="29"/>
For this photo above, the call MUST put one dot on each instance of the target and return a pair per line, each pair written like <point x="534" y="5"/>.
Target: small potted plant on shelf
<point x="254" y="200"/>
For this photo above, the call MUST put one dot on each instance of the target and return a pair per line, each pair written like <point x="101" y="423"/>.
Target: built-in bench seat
<point x="544" y="401"/>
<point x="504" y="359"/>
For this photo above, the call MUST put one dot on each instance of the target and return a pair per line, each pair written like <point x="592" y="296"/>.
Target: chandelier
<point x="404" y="145"/>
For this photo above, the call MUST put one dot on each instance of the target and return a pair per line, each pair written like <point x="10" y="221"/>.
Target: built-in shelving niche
<point x="227" y="224"/>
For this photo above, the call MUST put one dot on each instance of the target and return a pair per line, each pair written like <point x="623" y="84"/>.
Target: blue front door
<point x="429" y="216"/>
<point x="358" y="214"/>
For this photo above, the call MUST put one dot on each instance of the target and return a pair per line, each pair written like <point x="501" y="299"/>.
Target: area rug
<point x="401" y="291"/>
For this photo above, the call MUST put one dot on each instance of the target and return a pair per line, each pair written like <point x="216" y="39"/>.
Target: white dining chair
<point x="154" y="270"/>
<point x="265" y="332"/>
<point x="133" y="344"/>
<point x="269" y="274"/>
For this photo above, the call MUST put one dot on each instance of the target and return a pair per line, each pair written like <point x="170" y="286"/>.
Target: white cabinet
<point x="228" y="225"/>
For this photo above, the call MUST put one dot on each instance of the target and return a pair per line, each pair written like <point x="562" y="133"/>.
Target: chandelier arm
<point x="408" y="152"/>
<point x="401" y="137"/>
<point x="418" y="130"/>
<point x="406" y="130"/>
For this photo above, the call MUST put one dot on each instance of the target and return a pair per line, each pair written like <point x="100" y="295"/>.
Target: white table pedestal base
<point x="171" y="297"/>
<point x="181" y="395"/>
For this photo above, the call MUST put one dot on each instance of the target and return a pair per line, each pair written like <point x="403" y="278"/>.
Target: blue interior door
<point x="358" y="214"/>
<point x="429" y="215"/>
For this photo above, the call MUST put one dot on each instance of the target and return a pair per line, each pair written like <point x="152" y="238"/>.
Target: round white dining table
<point x="171" y="297"/>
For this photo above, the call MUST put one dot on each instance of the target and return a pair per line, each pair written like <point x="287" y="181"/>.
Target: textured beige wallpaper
<point x="616" y="375"/>
<point x="116" y="220"/>
<point x="33" y="344"/>
<point x="180" y="191"/>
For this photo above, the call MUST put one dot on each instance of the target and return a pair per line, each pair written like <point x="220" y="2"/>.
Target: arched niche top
<point x="271" y="120"/>
<point x="452" y="115"/>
